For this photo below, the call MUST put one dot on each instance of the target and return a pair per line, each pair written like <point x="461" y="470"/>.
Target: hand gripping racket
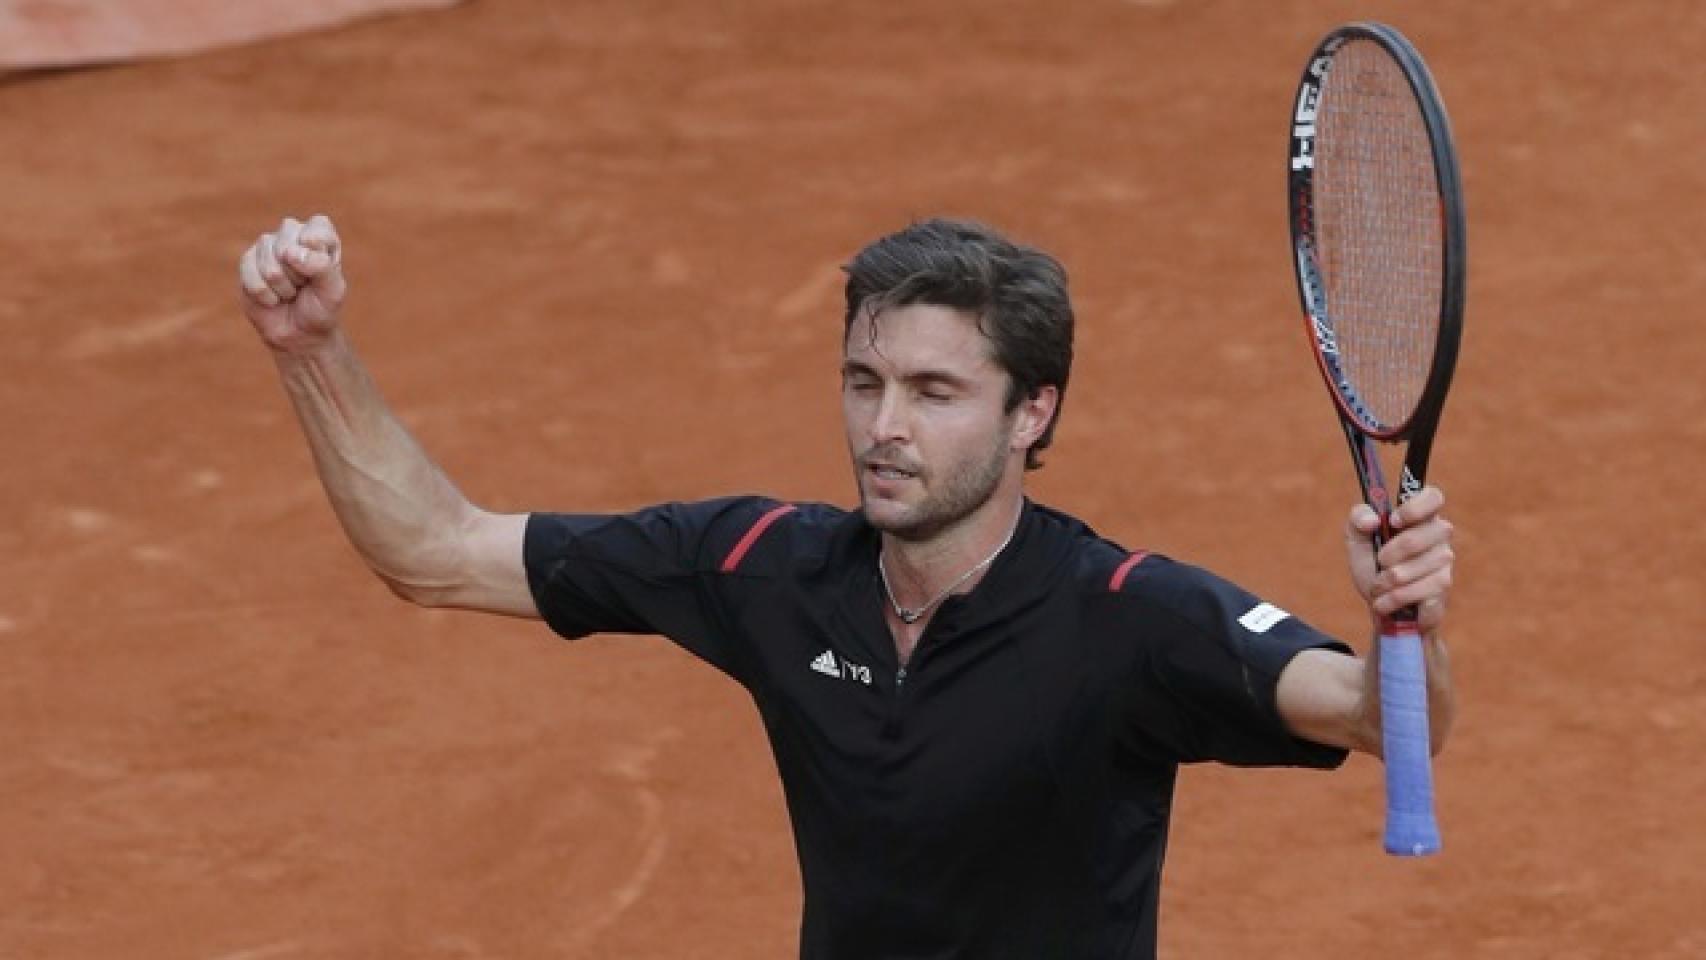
<point x="1377" y="233"/>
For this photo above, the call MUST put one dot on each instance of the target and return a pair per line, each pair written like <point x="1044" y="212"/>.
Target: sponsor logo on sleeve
<point x="1262" y="617"/>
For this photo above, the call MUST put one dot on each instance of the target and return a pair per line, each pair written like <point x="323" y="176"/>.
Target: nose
<point x="888" y="422"/>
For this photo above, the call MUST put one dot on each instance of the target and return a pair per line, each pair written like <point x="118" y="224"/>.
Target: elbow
<point x="425" y="577"/>
<point x="448" y="568"/>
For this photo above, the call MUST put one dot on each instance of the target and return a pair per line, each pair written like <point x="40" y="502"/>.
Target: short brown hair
<point x="1017" y="293"/>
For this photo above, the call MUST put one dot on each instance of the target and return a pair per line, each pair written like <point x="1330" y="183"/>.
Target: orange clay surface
<point x="594" y="249"/>
<point x="64" y="33"/>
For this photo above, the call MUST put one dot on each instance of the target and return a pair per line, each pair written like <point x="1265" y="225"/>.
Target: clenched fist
<point x="293" y="284"/>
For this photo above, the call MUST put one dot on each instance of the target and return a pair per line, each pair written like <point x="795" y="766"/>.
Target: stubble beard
<point x="968" y="488"/>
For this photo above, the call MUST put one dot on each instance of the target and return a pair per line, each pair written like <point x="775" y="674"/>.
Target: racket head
<point x="1377" y="229"/>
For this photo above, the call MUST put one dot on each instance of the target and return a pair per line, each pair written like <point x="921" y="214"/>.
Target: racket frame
<point x="1411" y="828"/>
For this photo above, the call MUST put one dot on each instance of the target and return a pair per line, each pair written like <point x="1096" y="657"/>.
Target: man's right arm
<point x="412" y="525"/>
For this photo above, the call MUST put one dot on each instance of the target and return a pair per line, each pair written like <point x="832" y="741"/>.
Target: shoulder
<point x="769" y="536"/>
<point x="1160" y="582"/>
<point x="1140" y="580"/>
<point x="722" y="534"/>
<point x="1097" y="564"/>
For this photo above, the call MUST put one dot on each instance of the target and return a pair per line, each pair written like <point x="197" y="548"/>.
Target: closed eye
<point x="860" y="378"/>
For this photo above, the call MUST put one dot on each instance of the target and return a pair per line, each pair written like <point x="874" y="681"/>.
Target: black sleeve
<point x="1209" y="663"/>
<point x="651" y="571"/>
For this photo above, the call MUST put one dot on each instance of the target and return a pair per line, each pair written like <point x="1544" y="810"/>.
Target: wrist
<point x="310" y="350"/>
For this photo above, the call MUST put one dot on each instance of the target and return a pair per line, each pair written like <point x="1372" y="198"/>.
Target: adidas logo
<point x="826" y="665"/>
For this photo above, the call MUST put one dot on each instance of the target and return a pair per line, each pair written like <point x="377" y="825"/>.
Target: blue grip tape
<point x="1411" y="830"/>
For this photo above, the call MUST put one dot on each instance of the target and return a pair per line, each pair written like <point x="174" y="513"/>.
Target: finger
<point x="285" y="245"/>
<point x="1426" y="504"/>
<point x="1362" y="522"/>
<point x="249" y="278"/>
<point x="1387" y="604"/>
<point x="1430" y="615"/>
<point x="1360" y="527"/>
<point x="1416" y="541"/>
<point x="321" y="235"/>
<point x="1432" y="588"/>
<point x="308" y="262"/>
<point x="1395" y="576"/>
<point x="324" y="261"/>
<point x="288" y="230"/>
<point x="266" y="258"/>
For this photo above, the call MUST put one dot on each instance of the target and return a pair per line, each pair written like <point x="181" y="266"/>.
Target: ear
<point x="1033" y="415"/>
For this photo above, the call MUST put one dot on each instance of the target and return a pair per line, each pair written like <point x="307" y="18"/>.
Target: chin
<point x="885" y="515"/>
<point x="900" y="521"/>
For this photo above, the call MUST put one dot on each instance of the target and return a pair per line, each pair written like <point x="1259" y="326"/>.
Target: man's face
<point x="922" y="397"/>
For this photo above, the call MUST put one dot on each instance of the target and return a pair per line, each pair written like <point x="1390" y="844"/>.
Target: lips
<point x="889" y="471"/>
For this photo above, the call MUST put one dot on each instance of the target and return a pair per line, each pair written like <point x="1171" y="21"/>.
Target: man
<point x="976" y="704"/>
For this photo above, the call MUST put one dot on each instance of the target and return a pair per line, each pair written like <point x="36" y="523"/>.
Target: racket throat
<point x="1408" y="484"/>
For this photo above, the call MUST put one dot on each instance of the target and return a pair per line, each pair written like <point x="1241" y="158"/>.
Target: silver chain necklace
<point x="911" y="615"/>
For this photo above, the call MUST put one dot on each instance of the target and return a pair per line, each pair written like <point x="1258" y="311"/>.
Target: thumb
<point x="320" y="261"/>
<point x="1362" y="523"/>
<point x="1360" y="528"/>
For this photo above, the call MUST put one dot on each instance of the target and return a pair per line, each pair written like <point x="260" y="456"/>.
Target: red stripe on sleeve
<point x="1118" y="580"/>
<point x="732" y="561"/>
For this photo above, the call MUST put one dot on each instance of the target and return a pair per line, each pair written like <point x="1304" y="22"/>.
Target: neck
<point x="919" y="571"/>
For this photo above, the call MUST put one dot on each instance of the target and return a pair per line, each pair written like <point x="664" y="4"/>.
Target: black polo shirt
<point x="1007" y="793"/>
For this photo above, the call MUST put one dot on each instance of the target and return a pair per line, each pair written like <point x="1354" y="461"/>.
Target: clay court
<point x="593" y="248"/>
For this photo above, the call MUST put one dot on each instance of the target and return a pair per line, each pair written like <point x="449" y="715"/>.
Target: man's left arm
<point x="1332" y="698"/>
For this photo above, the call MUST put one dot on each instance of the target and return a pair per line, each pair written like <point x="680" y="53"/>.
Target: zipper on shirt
<point x="891" y="725"/>
<point x="903" y="672"/>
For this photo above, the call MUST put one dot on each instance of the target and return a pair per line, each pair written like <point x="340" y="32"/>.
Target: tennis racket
<point x="1377" y="231"/>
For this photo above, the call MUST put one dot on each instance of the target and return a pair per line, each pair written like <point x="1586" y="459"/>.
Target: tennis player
<point x="978" y="706"/>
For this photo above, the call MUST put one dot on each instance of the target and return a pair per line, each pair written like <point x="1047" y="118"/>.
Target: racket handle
<point x="1411" y="830"/>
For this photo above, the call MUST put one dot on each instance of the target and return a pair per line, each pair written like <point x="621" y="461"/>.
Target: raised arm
<point x="1332" y="698"/>
<point x="409" y="522"/>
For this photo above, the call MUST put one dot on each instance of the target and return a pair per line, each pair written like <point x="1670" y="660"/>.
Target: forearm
<point x="1322" y="696"/>
<point x="1334" y="698"/>
<point x="397" y="507"/>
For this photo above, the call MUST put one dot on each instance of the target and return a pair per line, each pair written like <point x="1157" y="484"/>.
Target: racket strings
<point x="1378" y="218"/>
